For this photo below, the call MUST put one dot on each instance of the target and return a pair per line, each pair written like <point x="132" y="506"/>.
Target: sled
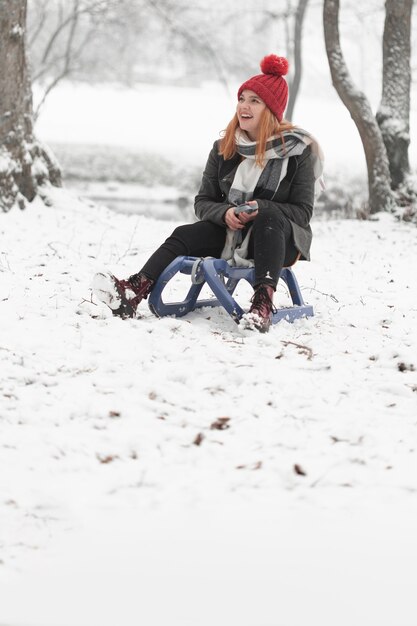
<point x="222" y="279"/>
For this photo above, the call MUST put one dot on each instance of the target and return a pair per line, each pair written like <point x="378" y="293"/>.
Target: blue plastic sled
<point x="222" y="280"/>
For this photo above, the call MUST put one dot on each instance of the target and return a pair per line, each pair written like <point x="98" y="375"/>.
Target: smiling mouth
<point x="246" y="117"/>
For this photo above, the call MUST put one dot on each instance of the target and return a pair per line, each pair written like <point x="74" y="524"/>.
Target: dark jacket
<point x="294" y="197"/>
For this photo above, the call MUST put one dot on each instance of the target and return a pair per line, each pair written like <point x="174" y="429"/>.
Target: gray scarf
<point x="249" y="175"/>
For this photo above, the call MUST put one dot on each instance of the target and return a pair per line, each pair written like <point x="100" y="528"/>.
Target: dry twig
<point x="302" y="349"/>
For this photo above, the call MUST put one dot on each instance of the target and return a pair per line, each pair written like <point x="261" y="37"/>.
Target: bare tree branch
<point x="68" y="69"/>
<point x="63" y="22"/>
<point x="41" y="24"/>
<point x="199" y="40"/>
<point x="380" y="195"/>
<point x="393" y="115"/>
<point x="297" y="43"/>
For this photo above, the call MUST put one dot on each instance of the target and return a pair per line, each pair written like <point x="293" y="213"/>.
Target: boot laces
<point x="131" y="292"/>
<point x="134" y="289"/>
<point x="262" y="303"/>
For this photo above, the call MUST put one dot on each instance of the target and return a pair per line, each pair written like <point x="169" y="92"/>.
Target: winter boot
<point x="262" y="308"/>
<point x="121" y="296"/>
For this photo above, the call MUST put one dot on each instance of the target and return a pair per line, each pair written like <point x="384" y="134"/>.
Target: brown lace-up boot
<point x="121" y="296"/>
<point x="262" y="308"/>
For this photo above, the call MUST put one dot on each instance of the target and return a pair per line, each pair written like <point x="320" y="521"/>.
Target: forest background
<point x="124" y="56"/>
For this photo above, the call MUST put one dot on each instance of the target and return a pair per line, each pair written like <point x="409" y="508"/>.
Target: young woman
<point x="254" y="205"/>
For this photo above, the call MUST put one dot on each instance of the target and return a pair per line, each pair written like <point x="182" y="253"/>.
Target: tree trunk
<point x="380" y="195"/>
<point x="24" y="163"/>
<point x="393" y="115"/>
<point x="298" y="38"/>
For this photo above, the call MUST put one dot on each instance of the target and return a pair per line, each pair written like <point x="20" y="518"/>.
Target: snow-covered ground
<point x="186" y="471"/>
<point x="126" y="499"/>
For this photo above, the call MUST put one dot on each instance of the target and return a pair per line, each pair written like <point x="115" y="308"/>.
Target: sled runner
<point x="222" y="280"/>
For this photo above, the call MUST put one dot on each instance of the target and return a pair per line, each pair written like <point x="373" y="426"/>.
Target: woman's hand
<point x="232" y="221"/>
<point x="248" y="217"/>
<point x="237" y="222"/>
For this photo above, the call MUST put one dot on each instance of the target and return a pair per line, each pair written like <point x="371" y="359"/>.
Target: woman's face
<point x="249" y="111"/>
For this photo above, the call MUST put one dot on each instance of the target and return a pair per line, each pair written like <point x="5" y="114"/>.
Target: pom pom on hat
<point x="272" y="64"/>
<point x="271" y="85"/>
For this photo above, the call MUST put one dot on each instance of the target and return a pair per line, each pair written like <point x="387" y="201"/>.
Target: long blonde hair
<point x="269" y="126"/>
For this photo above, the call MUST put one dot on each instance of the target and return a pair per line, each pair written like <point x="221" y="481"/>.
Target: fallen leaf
<point x="107" y="459"/>
<point x="198" y="439"/>
<point x="221" y="423"/>
<point x="252" y="466"/>
<point x="406" y="367"/>
<point x="299" y="470"/>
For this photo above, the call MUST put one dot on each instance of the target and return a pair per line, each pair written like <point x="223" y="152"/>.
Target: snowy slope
<point x="110" y="440"/>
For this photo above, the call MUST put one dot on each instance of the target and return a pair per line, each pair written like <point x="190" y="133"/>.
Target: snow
<point x="187" y="471"/>
<point x="7" y="164"/>
<point x="4" y="165"/>
<point x="126" y="499"/>
<point x="17" y="31"/>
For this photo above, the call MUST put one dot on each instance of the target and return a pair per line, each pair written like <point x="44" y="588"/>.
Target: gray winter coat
<point x="294" y="197"/>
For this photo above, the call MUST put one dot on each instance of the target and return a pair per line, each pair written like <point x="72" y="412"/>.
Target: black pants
<point x="270" y="245"/>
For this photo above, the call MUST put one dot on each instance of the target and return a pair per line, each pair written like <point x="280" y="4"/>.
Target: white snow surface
<point x="302" y="511"/>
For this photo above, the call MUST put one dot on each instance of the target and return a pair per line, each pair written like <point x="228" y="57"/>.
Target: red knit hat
<point x="270" y="86"/>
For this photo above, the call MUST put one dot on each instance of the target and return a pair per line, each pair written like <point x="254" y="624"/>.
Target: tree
<point x="25" y="164"/>
<point x="379" y="180"/>
<point x="60" y="34"/>
<point x="287" y="26"/>
<point x="131" y="41"/>
<point x="393" y="115"/>
<point x="127" y="41"/>
<point x="298" y="64"/>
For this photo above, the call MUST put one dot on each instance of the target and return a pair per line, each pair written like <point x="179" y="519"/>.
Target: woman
<point x="263" y="163"/>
